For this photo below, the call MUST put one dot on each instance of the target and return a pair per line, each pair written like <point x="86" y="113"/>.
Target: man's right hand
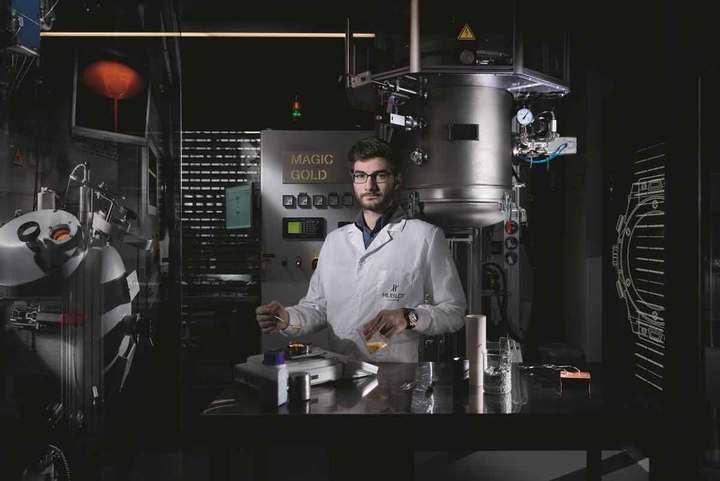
<point x="272" y="317"/>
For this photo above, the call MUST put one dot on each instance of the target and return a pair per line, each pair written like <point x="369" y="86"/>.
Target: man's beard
<point x="380" y="204"/>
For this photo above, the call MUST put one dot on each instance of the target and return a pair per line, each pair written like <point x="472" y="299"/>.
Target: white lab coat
<point x="408" y="264"/>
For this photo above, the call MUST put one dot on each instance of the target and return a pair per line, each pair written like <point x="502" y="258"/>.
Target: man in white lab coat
<point x="384" y="274"/>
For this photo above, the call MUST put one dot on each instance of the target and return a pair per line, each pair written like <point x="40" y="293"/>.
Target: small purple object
<point x="274" y="358"/>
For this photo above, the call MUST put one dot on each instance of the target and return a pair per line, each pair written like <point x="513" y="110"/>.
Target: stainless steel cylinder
<point x="46" y="199"/>
<point x="463" y="178"/>
<point x="299" y="387"/>
<point x="414" y="36"/>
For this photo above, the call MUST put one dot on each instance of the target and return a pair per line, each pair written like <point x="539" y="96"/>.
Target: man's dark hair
<point x="371" y="147"/>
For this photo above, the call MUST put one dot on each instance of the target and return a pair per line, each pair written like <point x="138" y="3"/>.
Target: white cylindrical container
<point x="476" y="400"/>
<point x="474" y="347"/>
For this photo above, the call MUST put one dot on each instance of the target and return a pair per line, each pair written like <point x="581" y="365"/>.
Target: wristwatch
<point x="411" y="318"/>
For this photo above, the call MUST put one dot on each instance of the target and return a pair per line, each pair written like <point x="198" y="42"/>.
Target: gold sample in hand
<point x="375" y="346"/>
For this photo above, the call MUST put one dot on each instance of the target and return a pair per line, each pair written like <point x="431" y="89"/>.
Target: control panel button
<point x="511" y="227"/>
<point x="303" y="200"/>
<point x="333" y="199"/>
<point x="319" y="201"/>
<point x="347" y="199"/>
<point x="289" y="202"/>
<point x="511" y="258"/>
<point x="511" y="243"/>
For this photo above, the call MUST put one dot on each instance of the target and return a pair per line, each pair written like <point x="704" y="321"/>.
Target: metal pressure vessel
<point x="458" y="167"/>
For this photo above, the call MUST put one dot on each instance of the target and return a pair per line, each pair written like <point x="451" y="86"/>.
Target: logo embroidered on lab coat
<point x="393" y="293"/>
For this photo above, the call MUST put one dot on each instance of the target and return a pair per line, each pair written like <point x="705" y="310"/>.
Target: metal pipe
<point x="470" y="274"/>
<point x="84" y="194"/>
<point x="394" y="87"/>
<point x="353" y="57"/>
<point x="348" y="53"/>
<point x="414" y="36"/>
<point x="475" y="286"/>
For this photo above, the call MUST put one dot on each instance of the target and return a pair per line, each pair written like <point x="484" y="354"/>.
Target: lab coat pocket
<point x="396" y="289"/>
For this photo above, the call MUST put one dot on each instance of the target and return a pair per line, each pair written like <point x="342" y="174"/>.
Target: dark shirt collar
<point x="369" y="235"/>
<point x="381" y="222"/>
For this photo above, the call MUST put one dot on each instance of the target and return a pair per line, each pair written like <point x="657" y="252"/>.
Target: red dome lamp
<point x="113" y="80"/>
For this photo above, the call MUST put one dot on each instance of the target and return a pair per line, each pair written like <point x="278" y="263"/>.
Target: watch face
<point x="411" y="318"/>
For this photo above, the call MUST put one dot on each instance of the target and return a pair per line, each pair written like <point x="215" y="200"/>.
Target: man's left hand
<point x="388" y="322"/>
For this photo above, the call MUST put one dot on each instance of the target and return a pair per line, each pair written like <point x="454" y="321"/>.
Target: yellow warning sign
<point x="466" y="33"/>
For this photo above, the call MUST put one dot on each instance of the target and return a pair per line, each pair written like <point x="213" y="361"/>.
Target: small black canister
<point x="459" y="383"/>
<point x="299" y="387"/>
<point x="459" y="370"/>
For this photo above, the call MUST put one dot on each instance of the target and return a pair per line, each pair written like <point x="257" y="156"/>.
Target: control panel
<point x="507" y="259"/>
<point x="306" y="193"/>
<point x="511" y="228"/>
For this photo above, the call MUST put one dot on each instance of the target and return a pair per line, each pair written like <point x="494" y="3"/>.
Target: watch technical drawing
<point x="638" y="257"/>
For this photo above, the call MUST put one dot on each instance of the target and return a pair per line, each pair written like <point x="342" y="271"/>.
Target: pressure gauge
<point x="303" y="201"/>
<point x="288" y="201"/>
<point x="319" y="201"/>
<point x="524" y="116"/>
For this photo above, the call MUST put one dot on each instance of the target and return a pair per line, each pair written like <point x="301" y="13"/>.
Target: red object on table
<point x="113" y="80"/>
<point x="577" y="378"/>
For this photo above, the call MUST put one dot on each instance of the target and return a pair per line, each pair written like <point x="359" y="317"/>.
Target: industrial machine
<point x="466" y="96"/>
<point x="69" y="328"/>
<point x="468" y="105"/>
<point x="21" y="22"/>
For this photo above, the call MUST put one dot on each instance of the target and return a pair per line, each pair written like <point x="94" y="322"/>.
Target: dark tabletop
<point x="425" y="403"/>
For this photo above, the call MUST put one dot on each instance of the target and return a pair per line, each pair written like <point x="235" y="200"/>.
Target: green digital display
<point x="303" y="228"/>
<point x="294" y="227"/>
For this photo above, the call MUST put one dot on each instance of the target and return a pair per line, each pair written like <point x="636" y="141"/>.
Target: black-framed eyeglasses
<point x="379" y="177"/>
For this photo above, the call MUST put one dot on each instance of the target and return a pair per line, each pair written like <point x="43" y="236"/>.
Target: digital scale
<point x="322" y="365"/>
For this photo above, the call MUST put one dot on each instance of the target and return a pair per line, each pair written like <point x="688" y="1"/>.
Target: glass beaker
<point x="375" y="346"/>
<point x="497" y="368"/>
